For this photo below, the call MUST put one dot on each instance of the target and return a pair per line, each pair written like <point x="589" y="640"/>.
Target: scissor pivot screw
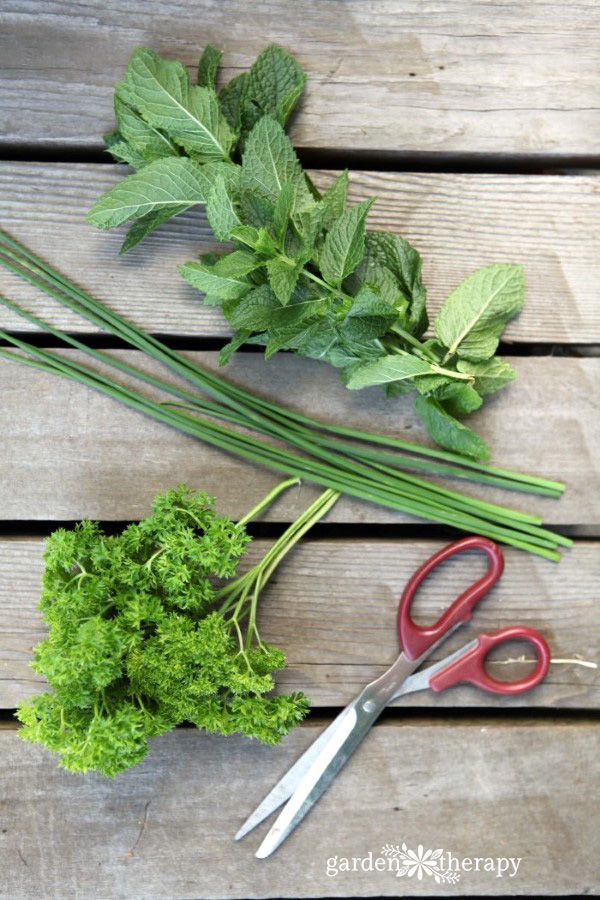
<point x="368" y="706"/>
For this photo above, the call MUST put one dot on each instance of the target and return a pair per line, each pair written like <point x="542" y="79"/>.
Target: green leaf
<point x="145" y="226"/>
<point x="239" y="338"/>
<point x="124" y="153"/>
<point x="490" y="375"/>
<point x="276" y="82"/>
<point x="245" y="234"/>
<point x="283" y="210"/>
<point x="448" y="432"/>
<point x="221" y="211"/>
<point x="255" y="310"/>
<point x="333" y="202"/>
<point x="237" y="264"/>
<point x="269" y="161"/>
<point x="395" y="367"/>
<point x="368" y="303"/>
<point x="190" y="115"/>
<point x="282" y="278"/>
<point x="149" y="142"/>
<point x="265" y="245"/>
<point x="310" y="223"/>
<point x="208" y="65"/>
<point x="205" y="278"/>
<point x="459" y="399"/>
<point x="473" y="317"/>
<point x="256" y="210"/>
<point x="174" y="184"/>
<point x="388" y="253"/>
<point x="232" y="99"/>
<point x="345" y="243"/>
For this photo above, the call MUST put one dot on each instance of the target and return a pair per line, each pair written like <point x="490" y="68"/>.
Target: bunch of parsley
<point x="303" y="273"/>
<point x="141" y="639"/>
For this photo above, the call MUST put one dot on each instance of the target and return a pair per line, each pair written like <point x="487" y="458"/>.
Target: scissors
<point x="314" y="771"/>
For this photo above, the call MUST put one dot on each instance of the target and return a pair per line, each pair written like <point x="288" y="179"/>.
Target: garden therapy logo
<point x="441" y="865"/>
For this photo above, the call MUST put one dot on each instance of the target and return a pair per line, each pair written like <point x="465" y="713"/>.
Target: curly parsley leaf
<point x="138" y="642"/>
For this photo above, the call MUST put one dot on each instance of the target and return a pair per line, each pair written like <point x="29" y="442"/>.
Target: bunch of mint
<point x="302" y="272"/>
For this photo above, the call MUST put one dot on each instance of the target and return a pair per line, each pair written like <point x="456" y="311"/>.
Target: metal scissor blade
<point x="317" y="778"/>
<point x="286" y="786"/>
<point x="420" y="680"/>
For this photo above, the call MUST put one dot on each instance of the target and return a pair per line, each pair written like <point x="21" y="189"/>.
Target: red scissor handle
<point x="416" y="639"/>
<point x="471" y="666"/>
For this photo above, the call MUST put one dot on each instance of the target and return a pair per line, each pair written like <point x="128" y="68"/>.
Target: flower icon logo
<point x="423" y="862"/>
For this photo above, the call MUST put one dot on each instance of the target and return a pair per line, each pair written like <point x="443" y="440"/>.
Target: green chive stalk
<point x="349" y="462"/>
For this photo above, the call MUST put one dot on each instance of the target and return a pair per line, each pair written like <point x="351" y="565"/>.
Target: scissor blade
<point x="420" y="680"/>
<point x="317" y="779"/>
<point x="286" y="786"/>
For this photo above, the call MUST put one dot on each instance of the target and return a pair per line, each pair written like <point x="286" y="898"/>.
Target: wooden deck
<point x="478" y="127"/>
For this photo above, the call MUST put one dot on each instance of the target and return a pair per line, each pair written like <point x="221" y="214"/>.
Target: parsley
<point x="304" y="273"/>
<point x="141" y="639"/>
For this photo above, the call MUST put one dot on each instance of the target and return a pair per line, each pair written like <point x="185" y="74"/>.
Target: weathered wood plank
<point x="458" y="222"/>
<point x="69" y="452"/>
<point x="332" y="607"/>
<point x="401" y="77"/>
<point x="165" y="828"/>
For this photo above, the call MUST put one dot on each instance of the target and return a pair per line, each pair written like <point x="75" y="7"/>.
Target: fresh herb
<point x="334" y="456"/>
<point x="304" y="274"/>
<point x="142" y="640"/>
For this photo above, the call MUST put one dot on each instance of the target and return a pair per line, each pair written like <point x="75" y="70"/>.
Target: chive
<point x="341" y="465"/>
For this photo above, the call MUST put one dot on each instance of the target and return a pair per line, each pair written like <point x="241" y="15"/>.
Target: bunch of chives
<point x="343" y="459"/>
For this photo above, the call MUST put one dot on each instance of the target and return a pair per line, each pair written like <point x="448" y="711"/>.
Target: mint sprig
<point x="303" y="274"/>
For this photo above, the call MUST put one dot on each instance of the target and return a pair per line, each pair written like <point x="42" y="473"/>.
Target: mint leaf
<point x="221" y="211"/>
<point x="256" y="210"/>
<point x="254" y="311"/>
<point x="239" y="338"/>
<point x="333" y="201"/>
<point x="387" y="254"/>
<point x="283" y="210"/>
<point x="123" y="152"/>
<point x="207" y="279"/>
<point x="191" y="116"/>
<point x="282" y="278"/>
<point x="395" y="367"/>
<point x="473" y="317"/>
<point x="448" y="432"/>
<point x="345" y="243"/>
<point x="144" y="226"/>
<point x="208" y="65"/>
<point x="269" y="161"/>
<point x="459" y="399"/>
<point x="490" y="375"/>
<point x="237" y="264"/>
<point x="174" y="184"/>
<point x="368" y="303"/>
<point x="232" y="99"/>
<point x="149" y="142"/>
<point x="275" y="84"/>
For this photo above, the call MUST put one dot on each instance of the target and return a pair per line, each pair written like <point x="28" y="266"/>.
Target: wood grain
<point x="164" y="829"/>
<point x="332" y="605"/>
<point x="69" y="452"/>
<point x="548" y="224"/>
<point x="399" y="77"/>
